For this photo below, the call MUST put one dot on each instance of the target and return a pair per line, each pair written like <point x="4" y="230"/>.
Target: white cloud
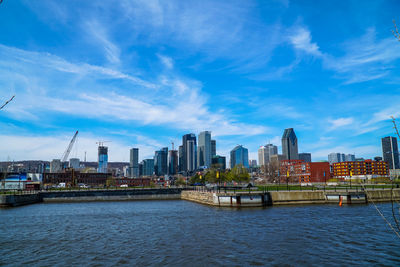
<point x="167" y="61"/>
<point x="172" y="102"/>
<point x="365" y="59"/>
<point x="25" y="62"/>
<point x="29" y="147"/>
<point x="301" y="40"/>
<point x="340" y="122"/>
<point x="98" y="32"/>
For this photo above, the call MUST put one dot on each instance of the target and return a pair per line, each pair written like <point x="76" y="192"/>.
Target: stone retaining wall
<point x="198" y="196"/>
<point x="383" y="195"/>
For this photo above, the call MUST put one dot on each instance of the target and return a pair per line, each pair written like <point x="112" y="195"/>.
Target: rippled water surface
<point x="182" y="233"/>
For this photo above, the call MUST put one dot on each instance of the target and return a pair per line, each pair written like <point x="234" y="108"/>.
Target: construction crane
<point x="69" y="148"/>
<point x="10" y="98"/>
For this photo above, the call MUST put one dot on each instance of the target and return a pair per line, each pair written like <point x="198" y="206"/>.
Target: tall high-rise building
<point x="74" y="163"/>
<point x="161" y="162"/>
<point x="252" y="163"/>
<point x="263" y="156"/>
<point x="204" y="149"/>
<point x="390" y="152"/>
<point x="349" y="157"/>
<point x="337" y="157"/>
<point x="191" y="155"/>
<point x="289" y="144"/>
<point x="102" y="159"/>
<point x="173" y="162"/>
<point x="148" y="167"/>
<point x="272" y="150"/>
<point x="181" y="157"/>
<point x="213" y="148"/>
<point x="306" y="157"/>
<point x="239" y="155"/>
<point x="219" y="162"/>
<point x="265" y="152"/>
<point x="189" y="152"/>
<point x="55" y="165"/>
<point x="134" y="163"/>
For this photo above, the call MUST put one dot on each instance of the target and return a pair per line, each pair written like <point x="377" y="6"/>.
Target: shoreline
<point x="211" y="198"/>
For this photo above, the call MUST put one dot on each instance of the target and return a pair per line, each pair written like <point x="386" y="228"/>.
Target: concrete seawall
<point x="228" y="199"/>
<point x="297" y="197"/>
<point x="258" y="199"/>
<point x="383" y="195"/>
<point x="111" y="195"/>
<point x="18" y="200"/>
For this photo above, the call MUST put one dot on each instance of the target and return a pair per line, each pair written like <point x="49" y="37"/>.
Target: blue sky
<point x="143" y="73"/>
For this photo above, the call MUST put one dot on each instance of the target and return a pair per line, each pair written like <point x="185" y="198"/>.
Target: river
<point x="182" y="233"/>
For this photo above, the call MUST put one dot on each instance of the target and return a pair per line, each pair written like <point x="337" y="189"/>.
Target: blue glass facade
<point x="240" y="155"/>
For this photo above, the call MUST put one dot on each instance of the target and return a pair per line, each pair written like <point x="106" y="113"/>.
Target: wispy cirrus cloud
<point x="366" y="58"/>
<point x="340" y="122"/>
<point x="97" y="31"/>
<point x="177" y="103"/>
<point x="166" y="61"/>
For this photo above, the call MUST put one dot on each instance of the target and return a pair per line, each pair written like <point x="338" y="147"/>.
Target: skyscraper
<point x="289" y="144"/>
<point x="102" y="159"/>
<point x="305" y="156"/>
<point x="181" y="159"/>
<point x="173" y="162"/>
<point x="219" y="162"/>
<point x="161" y="162"/>
<point x="265" y="152"/>
<point x="204" y="149"/>
<point x="55" y="165"/>
<point x="134" y="163"/>
<point x="390" y="152"/>
<point x="263" y="156"/>
<point x="272" y="150"/>
<point x="189" y="152"/>
<point x="337" y="157"/>
<point x="239" y="155"/>
<point x="349" y="157"/>
<point x="74" y="163"/>
<point x="213" y="148"/>
<point x="191" y="155"/>
<point x="148" y="167"/>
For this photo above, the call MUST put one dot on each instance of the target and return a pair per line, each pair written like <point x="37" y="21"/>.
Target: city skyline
<point x="151" y="76"/>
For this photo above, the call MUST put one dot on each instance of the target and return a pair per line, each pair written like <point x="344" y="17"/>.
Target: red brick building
<point x="131" y="182"/>
<point x="360" y="168"/>
<point x="70" y="177"/>
<point x="299" y="171"/>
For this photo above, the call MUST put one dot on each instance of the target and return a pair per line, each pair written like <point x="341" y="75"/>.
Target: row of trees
<point x="238" y="174"/>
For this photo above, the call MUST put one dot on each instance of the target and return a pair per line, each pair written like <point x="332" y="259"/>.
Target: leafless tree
<point x="271" y="172"/>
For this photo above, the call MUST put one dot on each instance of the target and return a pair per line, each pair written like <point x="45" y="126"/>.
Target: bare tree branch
<point x="392" y="198"/>
<point x="396" y="31"/>
<point x="10" y="98"/>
